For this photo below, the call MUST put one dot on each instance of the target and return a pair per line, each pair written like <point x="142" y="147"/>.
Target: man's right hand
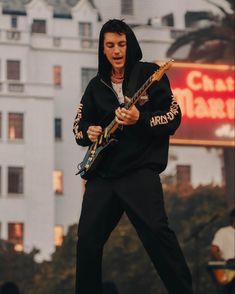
<point x="93" y="133"/>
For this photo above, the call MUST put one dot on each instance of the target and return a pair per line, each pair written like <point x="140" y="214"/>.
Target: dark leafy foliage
<point x="212" y="43"/>
<point x="17" y="267"/>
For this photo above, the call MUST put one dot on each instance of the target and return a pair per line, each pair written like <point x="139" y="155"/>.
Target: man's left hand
<point x="127" y="117"/>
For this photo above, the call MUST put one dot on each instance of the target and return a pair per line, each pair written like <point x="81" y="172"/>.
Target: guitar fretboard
<point x="132" y="101"/>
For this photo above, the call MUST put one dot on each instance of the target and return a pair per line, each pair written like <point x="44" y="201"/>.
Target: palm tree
<point x="213" y="43"/>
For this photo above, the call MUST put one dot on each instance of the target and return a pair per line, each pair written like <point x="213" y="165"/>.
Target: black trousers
<point x="140" y="196"/>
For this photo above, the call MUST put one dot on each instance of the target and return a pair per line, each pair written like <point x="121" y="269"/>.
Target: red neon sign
<point x="206" y="97"/>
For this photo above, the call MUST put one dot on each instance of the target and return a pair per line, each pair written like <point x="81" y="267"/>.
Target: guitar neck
<point x="111" y="128"/>
<point x="156" y="76"/>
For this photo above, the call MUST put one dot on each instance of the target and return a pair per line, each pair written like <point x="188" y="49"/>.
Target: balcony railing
<point x="13" y="35"/>
<point x="88" y="43"/>
<point x="24" y="90"/>
<point x="15" y="87"/>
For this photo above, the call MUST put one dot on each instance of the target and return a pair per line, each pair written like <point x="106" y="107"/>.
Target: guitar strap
<point x="132" y="83"/>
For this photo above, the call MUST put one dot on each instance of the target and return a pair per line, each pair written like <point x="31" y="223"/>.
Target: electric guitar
<point x="105" y="141"/>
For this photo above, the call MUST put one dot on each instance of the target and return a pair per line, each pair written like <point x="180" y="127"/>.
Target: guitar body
<point x="93" y="157"/>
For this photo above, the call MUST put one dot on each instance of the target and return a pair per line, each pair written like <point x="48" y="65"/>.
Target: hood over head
<point x="133" y="51"/>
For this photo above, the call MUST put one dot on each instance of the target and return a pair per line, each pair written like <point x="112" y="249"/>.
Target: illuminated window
<point x="183" y="174"/>
<point x="58" y="235"/>
<point x="16" y="235"/>
<point x="39" y="26"/>
<point x="13" y="70"/>
<point x="58" y="182"/>
<point x="15" y="180"/>
<point x="127" y="7"/>
<point x="15" y="126"/>
<point x="58" y="128"/>
<point x="57" y="75"/>
<point x="87" y="75"/>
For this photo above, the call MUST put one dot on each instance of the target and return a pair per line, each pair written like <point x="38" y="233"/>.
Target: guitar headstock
<point x="157" y="75"/>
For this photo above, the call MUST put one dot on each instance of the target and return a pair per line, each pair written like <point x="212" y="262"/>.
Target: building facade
<point x="48" y="53"/>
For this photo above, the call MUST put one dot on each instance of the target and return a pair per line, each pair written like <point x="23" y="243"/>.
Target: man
<point x="128" y="177"/>
<point x="223" y="249"/>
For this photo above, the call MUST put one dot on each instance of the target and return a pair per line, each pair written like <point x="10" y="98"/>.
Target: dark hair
<point x="115" y="26"/>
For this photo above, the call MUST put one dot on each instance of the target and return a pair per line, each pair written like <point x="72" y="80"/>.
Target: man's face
<point x="115" y="49"/>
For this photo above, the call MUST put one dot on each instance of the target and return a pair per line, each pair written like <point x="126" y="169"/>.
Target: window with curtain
<point x="15" y="126"/>
<point x="58" y="235"/>
<point x="58" y="184"/>
<point x="57" y="75"/>
<point x="39" y="26"/>
<point x="16" y="235"/>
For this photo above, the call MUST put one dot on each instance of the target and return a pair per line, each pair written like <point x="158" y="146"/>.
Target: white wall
<point x="35" y="153"/>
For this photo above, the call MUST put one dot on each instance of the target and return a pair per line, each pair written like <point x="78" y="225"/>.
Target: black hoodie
<point x="143" y="145"/>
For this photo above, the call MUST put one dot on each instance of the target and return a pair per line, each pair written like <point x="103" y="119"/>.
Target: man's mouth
<point x="117" y="58"/>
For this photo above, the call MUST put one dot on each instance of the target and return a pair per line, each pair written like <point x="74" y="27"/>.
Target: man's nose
<point x="116" y="49"/>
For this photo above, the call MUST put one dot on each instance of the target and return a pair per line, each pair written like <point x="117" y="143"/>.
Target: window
<point x="0" y="125"/>
<point x="13" y="70"/>
<point x="127" y="7"/>
<point x="58" y="235"/>
<point x="58" y="182"/>
<point x="87" y="75"/>
<point x="14" y="23"/>
<point x="183" y="174"/>
<point x="16" y="235"/>
<point x="58" y="128"/>
<point x="168" y="20"/>
<point x="15" y="126"/>
<point x="85" y="33"/>
<point x="39" y="26"/>
<point x="57" y="75"/>
<point x="85" y="29"/>
<point x="15" y="180"/>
